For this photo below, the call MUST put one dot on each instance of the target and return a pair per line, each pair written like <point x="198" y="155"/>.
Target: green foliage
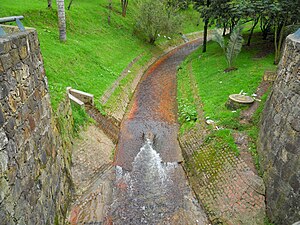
<point x="214" y="89"/>
<point x="155" y="18"/>
<point x="253" y="132"/>
<point x="95" y="52"/>
<point x="267" y="221"/>
<point x="272" y="15"/>
<point x="187" y="112"/>
<point x="222" y="140"/>
<point x="234" y="45"/>
<point x="80" y="118"/>
<point x="218" y="37"/>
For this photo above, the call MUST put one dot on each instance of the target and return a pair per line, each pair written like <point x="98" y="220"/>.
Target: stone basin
<point x="241" y="98"/>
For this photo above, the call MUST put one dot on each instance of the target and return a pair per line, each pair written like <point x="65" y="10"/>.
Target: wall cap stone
<point x="295" y="36"/>
<point x="14" y="32"/>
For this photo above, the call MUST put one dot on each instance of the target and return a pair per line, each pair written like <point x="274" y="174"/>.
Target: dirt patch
<point x="93" y="175"/>
<point x="242" y="141"/>
<point x="247" y="114"/>
<point x="91" y="155"/>
<point x="266" y="47"/>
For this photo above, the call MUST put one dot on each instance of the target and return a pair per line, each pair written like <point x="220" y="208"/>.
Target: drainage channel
<point x="146" y="183"/>
<point x="151" y="186"/>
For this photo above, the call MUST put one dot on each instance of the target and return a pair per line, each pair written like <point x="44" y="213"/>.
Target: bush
<point x="155" y="17"/>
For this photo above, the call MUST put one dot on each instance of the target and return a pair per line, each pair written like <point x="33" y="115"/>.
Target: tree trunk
<point x="224" y="29"/>
<point x="205" y="35"/>
<point x="279" y="30"/>
<point x="49" y="4"/>
<point x="152" y="38"/>
<point x="251" y="31"/>
<point x="61" y="20"/>
<point x="265" y="27"/>
<point x="69" y="6"/>
<point x="109" y="11"/>
<point x="124" y="4"/>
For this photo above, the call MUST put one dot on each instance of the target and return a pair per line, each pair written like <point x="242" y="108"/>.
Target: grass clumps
<point x="80" y="117"/>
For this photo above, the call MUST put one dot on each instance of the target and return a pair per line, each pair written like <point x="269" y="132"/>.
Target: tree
<point x="156" y="18"/>
<point x="233" y="47"/>
<point x="222" y="12"/>
<point x="61" y="20"/>
<point x="285" y="14"/>
<point x="124" y="4"/>
<point x="252" y="10"/>
<point x="203" y="7"/>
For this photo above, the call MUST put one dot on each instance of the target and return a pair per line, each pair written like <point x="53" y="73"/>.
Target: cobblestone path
<point x="228" y="187"/>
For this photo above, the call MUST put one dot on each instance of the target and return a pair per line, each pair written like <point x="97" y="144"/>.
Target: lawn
<point x="95" y="52"/>
<point x="214" y="86"/>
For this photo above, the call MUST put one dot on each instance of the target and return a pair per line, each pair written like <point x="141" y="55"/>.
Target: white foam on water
<point x="147" y="168"/>
<point x="150" y="162"/>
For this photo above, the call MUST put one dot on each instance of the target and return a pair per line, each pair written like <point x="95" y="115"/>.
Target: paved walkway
<point x="228" y="187"/>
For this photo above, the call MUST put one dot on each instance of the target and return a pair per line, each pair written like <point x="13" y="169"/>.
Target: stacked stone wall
<point x="34" y="159"/>
<point x="279" y="139"/>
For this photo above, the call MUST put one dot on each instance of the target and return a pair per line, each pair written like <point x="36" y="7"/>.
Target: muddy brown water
<point x="151" y="186"/>
<point x="154" y="109"/>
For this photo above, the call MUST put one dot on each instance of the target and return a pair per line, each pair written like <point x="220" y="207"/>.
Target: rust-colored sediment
<point x="154" y="108"/>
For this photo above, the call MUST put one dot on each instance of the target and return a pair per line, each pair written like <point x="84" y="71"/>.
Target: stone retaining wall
<point x="279" y="139"/>
<point x="34" y="155"/>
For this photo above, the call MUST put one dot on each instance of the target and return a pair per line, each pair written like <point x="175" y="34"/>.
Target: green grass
<point x="95" y="53"/>
<point x="187" y="114"/>
<point x="191" y="19"/>
<point x="214" y="86"/>
<point x="80" y="117"/>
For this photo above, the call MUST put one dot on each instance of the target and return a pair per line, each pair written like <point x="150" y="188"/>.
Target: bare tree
<point x="61" y="20"/>
<point x="124" y="4"/>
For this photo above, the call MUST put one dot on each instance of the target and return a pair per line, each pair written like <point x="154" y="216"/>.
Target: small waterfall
<point x="147" y="167"/>
<point x="149" y="186"/>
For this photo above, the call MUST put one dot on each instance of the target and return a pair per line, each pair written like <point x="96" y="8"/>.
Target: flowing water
<point x="151" y="186"/>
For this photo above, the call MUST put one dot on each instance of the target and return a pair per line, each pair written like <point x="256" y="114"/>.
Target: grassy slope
<point x="214" y="86"/>
<point x="94" y="54"/>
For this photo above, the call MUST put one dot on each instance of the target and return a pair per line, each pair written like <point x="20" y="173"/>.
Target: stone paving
<point x="92" y="174"/>
<point x="92" y="154"/>
<point x="230" y="191"/>
<point x="227" y="186"/>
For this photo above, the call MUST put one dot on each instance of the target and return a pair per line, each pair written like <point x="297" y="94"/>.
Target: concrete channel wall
<point x="34" y="158"/>
<point x="279" y="139"/>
